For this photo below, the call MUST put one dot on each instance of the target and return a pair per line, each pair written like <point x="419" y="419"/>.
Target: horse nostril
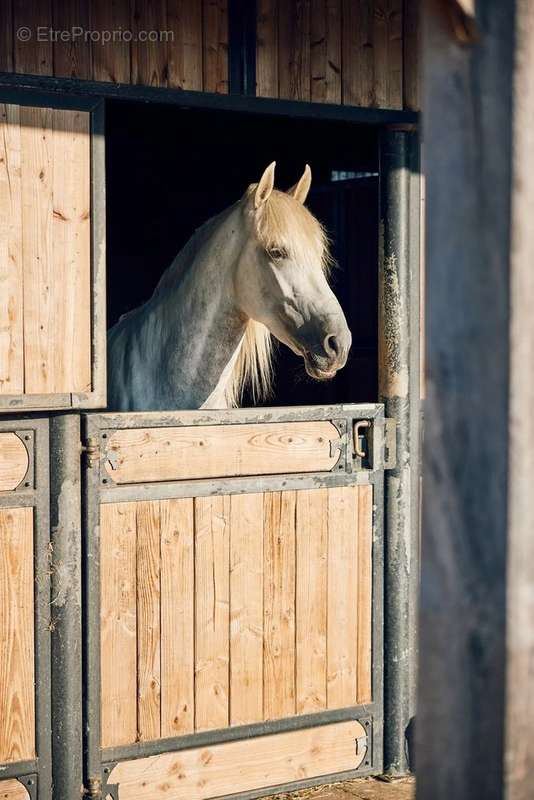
<point x="331" y="345"/>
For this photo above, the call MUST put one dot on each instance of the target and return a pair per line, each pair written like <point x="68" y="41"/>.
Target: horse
<point x="258" y="268"/>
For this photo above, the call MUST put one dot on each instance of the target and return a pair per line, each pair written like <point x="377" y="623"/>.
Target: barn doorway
<point x="169" y="170"/>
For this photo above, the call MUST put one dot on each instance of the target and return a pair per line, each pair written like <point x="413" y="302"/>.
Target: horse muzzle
<point x="323" y="365"/>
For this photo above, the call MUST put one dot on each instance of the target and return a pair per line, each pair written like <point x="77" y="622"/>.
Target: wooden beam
<point x="476" y="717"/>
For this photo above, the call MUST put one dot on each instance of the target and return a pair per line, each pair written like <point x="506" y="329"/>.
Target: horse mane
<point x="282" y="223"/>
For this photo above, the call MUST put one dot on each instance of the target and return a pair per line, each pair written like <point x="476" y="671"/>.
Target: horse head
<point x="281" y="278"/>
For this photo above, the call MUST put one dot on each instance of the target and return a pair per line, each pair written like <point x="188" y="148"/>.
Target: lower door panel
<point x="237" y="621"/>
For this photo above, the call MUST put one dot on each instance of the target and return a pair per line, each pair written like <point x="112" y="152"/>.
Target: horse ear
<point x="300" y="190"/>
<point x="265" y="186"/>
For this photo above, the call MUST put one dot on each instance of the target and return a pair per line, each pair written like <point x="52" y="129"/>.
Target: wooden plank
<point x="387" y="54"/>
<point x="11" y="273"/>
<point x="411" y="55"/>
<point x="72" y="58"/>
<point x="13" y="790"/>
<point x="184" y="19"/>
<point x="246" y="609"/>
<point x="380" y="53"/>
<point x="210" y="451"/>
<point x="342" y="596"/>
<point x="395" y="54"/>
<point x="279" y="605"/>
<point x="148" y="621"/>
<point x="177" y="617"/>
<point x="17" y="649"/>
<point x="325" y="51"/>
<point x="6" y="36"/>
<point x="311" y="599"/>
<point x="294" y="50"/>
<point x="215" y="46"/>
<point x="365" y="595"/>
<point x="14" y="461"/>
<point x="37" y="236"/>
<point x="242" y="766"/>
<point x="111" y="61"/>
<point x="149" y="58"/>
<point x="212" y="586"/>
<point x="267" y="48"/>
<point x="33" y="55"/>
<point x="70" y="287"/>
<point x="118" y="619"/>
<point x="357" y="45"/>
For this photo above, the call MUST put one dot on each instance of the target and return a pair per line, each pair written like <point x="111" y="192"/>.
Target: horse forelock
<point x="285" y="222"/>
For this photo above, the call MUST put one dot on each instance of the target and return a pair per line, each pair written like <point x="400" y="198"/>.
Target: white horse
<point x="258" y="268"/>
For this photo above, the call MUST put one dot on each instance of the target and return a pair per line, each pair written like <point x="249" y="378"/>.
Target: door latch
<point x="359" y="440"/>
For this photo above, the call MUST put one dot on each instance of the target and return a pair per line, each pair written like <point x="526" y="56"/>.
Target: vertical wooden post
<point x="476" y="718"/>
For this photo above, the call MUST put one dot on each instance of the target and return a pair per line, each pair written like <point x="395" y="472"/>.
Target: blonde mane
<point x="283" y="223"/>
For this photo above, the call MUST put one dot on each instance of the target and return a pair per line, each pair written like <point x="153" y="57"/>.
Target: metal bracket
<point x="361" y="745"/>
<point x="109" y="790"/>
<point x="390" y="443"/>
<point x="340" y="444"/>
<point x="364" y="743"/>
<point x="30" y="784"/>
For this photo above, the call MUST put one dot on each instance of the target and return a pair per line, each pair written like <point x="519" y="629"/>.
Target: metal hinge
<point x="390" y="443"/>
<point x="92" y="451"/>
<point x="94" y="789"/>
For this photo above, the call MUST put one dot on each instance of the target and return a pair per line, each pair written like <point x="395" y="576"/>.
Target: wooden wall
<point x="339" y="51"/>
<point x="233" y="610"/>
<point x="334" y="51"/>
<point x="192" y="53"/>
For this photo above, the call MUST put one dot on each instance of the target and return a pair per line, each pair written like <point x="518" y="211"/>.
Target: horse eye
<point x="277" y="253"/>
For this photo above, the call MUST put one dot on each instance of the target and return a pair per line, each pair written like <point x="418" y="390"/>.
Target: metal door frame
<point x="33" y="491"/>
<point x="97" y="428"/>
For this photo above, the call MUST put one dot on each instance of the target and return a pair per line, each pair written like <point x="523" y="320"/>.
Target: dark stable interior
<point x="170" y="169"/>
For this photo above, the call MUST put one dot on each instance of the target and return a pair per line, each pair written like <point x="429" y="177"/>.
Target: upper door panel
<point x="52" y="320"/>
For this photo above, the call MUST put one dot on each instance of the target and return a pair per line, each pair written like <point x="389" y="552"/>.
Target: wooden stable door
<point x="236" y="560"/>
<point x="52" y="319"/>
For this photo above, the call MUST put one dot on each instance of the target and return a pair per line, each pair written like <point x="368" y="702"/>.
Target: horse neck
<point x="193" y="309"/>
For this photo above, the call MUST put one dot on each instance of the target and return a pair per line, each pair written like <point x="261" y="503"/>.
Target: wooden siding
<point x="17" y="690"/>
<point x="230" y="610"/>
<point x="243" y="766"/>
<point x="179" y="44"/>
<point x="45" y="270"/>
<point x="339" y="51"/>
<point x="333" y="51"/>
<point x="139" y="455"/>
